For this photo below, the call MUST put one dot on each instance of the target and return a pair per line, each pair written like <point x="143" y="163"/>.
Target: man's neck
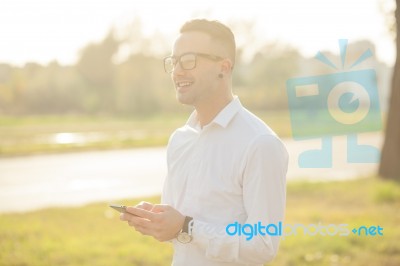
<point x="207" y="112"/>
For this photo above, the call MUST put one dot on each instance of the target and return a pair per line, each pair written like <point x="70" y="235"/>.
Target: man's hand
<point x="157" y="220"/>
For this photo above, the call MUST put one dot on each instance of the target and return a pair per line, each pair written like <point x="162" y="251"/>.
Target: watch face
<point x="184" y="237"/>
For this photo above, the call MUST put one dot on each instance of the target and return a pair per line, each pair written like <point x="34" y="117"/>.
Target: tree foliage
<point x="103" y="82"/>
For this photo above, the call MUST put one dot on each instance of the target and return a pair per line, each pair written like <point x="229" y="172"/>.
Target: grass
<point x="93" y="235"/>
<point x="40" y="134"/>
<point x="90" y="235"/>
<point x="364" y="202"/>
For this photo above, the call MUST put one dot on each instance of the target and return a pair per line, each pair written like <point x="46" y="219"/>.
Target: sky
<point x="46" y="30"/>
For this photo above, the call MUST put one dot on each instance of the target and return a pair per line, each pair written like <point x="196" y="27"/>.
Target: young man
<point x="225" y="166"/>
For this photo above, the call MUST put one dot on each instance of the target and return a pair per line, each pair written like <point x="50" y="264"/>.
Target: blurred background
<point x="86" y="111"/>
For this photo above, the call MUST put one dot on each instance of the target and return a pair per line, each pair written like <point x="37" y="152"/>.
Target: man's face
<point x="196" y="86"/>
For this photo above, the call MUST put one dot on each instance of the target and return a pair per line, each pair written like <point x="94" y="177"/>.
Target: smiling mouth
<point x="183" y="85"/>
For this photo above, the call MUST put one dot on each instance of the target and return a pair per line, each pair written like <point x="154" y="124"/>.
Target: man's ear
<point x="226" y="66"/>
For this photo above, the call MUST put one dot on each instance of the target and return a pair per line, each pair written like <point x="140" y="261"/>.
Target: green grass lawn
<point x="93" y="235"/>
<point x="38" y="134"/>
<point x="41" y="134"/>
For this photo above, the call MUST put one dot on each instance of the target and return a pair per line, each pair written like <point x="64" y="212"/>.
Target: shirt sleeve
<point x="264" y="199"/>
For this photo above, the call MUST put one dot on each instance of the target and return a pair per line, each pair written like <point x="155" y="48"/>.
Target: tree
<point x="97" y="69"/>
<point x="390" y="159"/>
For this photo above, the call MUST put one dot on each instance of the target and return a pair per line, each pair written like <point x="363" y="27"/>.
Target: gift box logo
<point x="342" y="103"/>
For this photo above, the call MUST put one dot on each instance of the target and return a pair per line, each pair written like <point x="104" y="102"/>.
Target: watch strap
<point x="185" y="227"/>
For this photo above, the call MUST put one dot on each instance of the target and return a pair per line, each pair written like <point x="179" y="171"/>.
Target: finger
<point x="141" y="222"/>
<point x="157" y="208"/>
<point x="137" y="227"/>
<point x="123" y="217"/>
<point x="141" y="213"/>
<point x="143" y="230"/>
<point x="126" y="216"/>
<point x="145" y="205"/>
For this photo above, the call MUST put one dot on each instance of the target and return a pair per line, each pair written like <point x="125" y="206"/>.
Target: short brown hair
<point x="216" y="30"/>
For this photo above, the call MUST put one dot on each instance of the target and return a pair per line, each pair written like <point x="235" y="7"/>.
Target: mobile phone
<point x="120" y="208"/>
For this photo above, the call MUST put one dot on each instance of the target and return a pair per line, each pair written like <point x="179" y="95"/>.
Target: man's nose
<point x="178" y="70"/>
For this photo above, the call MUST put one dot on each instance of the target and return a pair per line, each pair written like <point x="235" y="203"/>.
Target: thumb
<point x="145" y="205"/>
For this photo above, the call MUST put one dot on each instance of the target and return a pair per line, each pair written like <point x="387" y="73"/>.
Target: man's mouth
<point x="182" y="85"/>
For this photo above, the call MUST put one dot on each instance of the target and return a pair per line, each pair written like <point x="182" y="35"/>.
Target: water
<point x="33" y="182"/>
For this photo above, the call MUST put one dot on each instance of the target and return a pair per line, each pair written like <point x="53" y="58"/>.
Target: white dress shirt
<point x="231" y="170"/>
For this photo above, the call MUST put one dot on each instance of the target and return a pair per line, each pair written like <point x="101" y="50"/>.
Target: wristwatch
<point x="185" y="235"/>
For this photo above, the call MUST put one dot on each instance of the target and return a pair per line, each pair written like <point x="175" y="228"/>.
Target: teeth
<point x="183" y="84"/>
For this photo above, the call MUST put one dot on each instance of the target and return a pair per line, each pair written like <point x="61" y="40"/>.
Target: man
<point x="224" y="166"/>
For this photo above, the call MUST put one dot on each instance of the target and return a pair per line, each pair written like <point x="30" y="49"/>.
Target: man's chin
<point x="183" y="99"/>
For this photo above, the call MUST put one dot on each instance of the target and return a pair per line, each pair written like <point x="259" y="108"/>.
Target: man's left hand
<point x="161" y="221"/>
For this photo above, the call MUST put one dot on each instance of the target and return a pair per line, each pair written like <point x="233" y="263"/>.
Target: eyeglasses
<point x="186" y="61"/>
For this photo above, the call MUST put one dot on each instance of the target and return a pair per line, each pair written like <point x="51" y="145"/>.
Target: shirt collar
<point x="223" y="117"/>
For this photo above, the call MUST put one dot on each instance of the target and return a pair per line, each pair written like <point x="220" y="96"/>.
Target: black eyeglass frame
<point x="178" y="60"/>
